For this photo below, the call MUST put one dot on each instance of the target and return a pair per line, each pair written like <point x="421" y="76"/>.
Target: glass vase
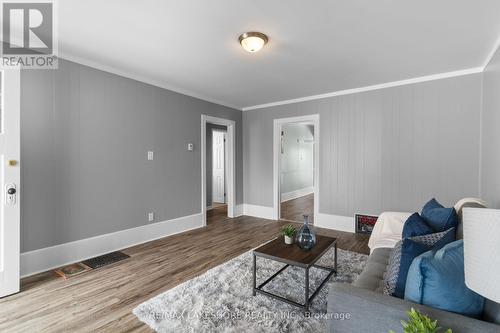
<point x="305" y="239"/>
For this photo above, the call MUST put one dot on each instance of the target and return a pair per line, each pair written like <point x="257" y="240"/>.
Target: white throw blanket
<point x="388" y="229"/>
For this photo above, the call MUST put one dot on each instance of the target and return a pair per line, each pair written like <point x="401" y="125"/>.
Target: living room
<point x="357" y="158"/>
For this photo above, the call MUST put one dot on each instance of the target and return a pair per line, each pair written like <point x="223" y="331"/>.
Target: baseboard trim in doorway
<point x="296" y="194"/>
<point x="335" y="222"/>
<point x="238" y="210"/>
<point x="48" y="258"/>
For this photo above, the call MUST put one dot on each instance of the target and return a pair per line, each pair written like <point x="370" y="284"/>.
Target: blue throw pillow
<point x="403" y="254"/>
<point x="415" y="225"/>
<point x="439" y="217"/>
<point x="436" y="279"/>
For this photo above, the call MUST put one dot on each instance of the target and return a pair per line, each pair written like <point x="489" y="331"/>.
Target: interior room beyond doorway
<point x="216" y="177"/>
<point x="297" y="171"/>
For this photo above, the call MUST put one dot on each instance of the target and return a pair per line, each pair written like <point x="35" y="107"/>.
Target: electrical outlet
<point x="151" y="217"/>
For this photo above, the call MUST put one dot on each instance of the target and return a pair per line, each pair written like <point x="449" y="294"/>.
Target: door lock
<point x="10" y="194"/>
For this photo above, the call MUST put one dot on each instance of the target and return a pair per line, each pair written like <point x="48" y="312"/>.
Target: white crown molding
<point x="492" y="53"/>
<point x="48" y="258"/>
<point x="164" y="85"/>
<point x="433" y="77"/>
<point x="128" y="75"/>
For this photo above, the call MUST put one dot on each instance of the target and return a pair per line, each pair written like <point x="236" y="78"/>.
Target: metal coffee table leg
<point x="306" y="305"/>
<point x="335" y="262"/>
<point x="254" y="274"/>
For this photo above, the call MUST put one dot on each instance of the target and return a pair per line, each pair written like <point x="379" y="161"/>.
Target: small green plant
<point x="420" y="323"/>
<point x="288" y="230"/>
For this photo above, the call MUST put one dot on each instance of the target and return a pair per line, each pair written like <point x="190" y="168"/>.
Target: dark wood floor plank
<point x="103" y="299"/>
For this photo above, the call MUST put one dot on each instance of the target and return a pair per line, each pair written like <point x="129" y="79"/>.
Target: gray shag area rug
<point x="221" y="300"/>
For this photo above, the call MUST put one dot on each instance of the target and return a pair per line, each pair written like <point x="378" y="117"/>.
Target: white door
<point x="218" y="161"/>
<point x="9" y="181"/>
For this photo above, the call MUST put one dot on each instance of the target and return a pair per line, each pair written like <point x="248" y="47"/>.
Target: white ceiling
<point x="315" y="47"/>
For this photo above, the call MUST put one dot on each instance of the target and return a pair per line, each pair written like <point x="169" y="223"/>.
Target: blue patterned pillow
<point x="415" y="225"/>
<point x="439" y="217"/>
<point x="403" y="254"/>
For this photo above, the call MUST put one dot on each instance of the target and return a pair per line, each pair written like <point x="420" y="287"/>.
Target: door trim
<point x="278" y="124"/>
<point x="231" y="157"/>
<point x="10" y="251"/>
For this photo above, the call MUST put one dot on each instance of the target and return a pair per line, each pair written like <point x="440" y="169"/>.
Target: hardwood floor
<point x="218" y="204"/>
<point x="293" y="210"/>
<point x="102" y="300"/>
<point x="216" y="214"/>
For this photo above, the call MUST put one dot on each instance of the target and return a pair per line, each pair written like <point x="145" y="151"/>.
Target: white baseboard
<point x="336" y="222"/>
<point x="42" y="260"/>
<point x="238" y="210"/>
<point x="296" y="194"/>
<point x="259" y="211"/>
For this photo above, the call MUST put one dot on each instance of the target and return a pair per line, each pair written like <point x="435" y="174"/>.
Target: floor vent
<point x="106" y="259"/>
<point x="72" y="270"/>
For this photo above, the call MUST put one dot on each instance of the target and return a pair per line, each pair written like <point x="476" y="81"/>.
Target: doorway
<point x="10" y="178"/>
<point x="218" y="163"/>
<point x="216" y="171"/>
<point x="296" y="170"/>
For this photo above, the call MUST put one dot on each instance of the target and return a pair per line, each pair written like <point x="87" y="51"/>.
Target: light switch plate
<point x="151" y="155"/>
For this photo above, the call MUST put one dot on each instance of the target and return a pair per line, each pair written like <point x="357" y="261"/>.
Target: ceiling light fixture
<point x="253" y="41"/>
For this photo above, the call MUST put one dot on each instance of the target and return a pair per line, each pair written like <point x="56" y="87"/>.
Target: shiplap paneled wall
<point x="85" y="135"/>
<point x="388" y="149"/>
<point x="490" y="158"/>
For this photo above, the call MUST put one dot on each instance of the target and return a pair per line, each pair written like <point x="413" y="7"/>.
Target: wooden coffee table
<point x="292" y="255"/>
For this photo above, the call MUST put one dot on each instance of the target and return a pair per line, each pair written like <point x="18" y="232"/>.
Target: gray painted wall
<point x="490" y="157"/>
<point x="297" y="159"/>
<point x="388" y="149"/>
<point x="85" y="136"/>
<point x="84" y="141"/>
<point x="210" y="128"/>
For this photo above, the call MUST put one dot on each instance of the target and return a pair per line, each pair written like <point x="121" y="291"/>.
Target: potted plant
<point x="420" y="323"/>
<point x="288" y="231"/>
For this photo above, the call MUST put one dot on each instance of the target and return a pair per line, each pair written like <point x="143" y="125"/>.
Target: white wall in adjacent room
<point x="297" y="162"/>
